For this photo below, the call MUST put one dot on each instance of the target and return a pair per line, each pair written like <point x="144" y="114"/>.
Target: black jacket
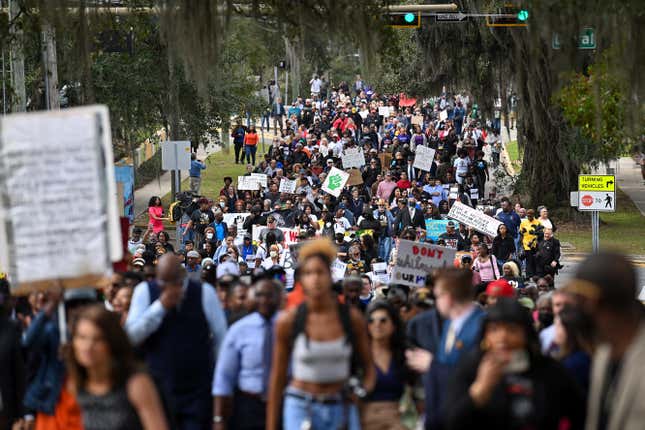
<point x="550" y="391"/>
<point x="12" y="373"/>
<point x="503" y="247"/>
<point x="403" y="220"/>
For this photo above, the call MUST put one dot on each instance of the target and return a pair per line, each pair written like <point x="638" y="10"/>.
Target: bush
<point x="149" y="170"/>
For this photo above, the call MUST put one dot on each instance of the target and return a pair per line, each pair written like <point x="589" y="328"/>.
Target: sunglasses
<point x="381" y="320"/>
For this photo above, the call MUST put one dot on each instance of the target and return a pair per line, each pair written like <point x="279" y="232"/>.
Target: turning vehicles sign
<point x="597" y="193"/>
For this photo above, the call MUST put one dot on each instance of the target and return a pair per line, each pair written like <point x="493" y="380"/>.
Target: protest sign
<point x="379" y="273"/>
<point x="353" y="157"/>
<point x="474" y="193"/>
<point x="247" y="183"/>
<point x="324" y="150"/>
<point x="435" y="227"/>
<point x="443" y="115"/>
<point x="355" y="177"/>
<point x="261" y="178"/>
<point x="236" y="219"/>
<point x="335" y="181"/>
<point x="415" y="260"/>
<point x="454" y="192"/>
<point x="290" y="235"/>
<point x="386" y="159"/>
<point x="338" y="269"/>
<point x="423" y="158"/>
<point x="474" y="218"/>
<point x="417" y="120"/>
<point x="384" y="111"/>
<point x="59" y="217"/>
<point x="287" y="186"/>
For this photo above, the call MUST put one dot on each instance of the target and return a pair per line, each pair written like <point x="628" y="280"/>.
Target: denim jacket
<point x="43" y="338"/>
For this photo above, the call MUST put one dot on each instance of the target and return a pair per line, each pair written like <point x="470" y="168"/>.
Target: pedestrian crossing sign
<point x="597" y="193"/>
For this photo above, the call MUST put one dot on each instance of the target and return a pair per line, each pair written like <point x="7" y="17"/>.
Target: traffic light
<point x="508" y="16"/>
<point x="404" y="20"/>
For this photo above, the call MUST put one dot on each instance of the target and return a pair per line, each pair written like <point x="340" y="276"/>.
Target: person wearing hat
<point x="498" y="288"/>
<point x="507" y="383"/>
<point x="452" y="239"/>
<point x="199" y="220"/>
<point x="178" y="323"/>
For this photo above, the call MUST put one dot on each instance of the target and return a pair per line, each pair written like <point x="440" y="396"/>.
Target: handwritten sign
<point x="474" y="218"/>
<point x="417" y="120"/>
<point x="262" y="179"/>
<point x="335" y="181"/>
<point x="384" y="111"/>
<point x="236" y="219"/>
<point x="416" y="260"/>
<point x="355" y="177"/>
<point x="287" y="186"/>
<point x="59" y="218"/>
<point x="338" y="269"/>
<point x="443" y="115"/>
<point x="435" y="227"/>
<point x="423" y="158"/>
<point x="353" y="157"/>
<point x="247" y="183"/>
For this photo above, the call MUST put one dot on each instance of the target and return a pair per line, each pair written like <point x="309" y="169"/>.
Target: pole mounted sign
<point x="597" y="193"/>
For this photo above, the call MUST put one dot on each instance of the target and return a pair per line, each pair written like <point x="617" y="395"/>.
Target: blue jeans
<point x="250" y="153"/>
<point x="189" y="236"/>
<point x="322" y="416"/>
<point x="384" y="248"/>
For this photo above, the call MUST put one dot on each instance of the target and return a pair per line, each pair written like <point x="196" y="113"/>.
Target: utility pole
<point x="50" y="66"/>
<point x="17" y="60"/>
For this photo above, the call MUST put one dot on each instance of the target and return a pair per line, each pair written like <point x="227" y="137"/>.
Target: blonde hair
<point x="322" y="247"/>
<point x="514" y="269"/>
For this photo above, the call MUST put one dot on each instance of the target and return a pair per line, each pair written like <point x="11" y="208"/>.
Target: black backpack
<point x="345" y="320"/>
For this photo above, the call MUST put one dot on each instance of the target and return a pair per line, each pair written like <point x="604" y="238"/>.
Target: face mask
<point x="273" y="254"/>
<point x="519" y="362"/>
<point x="209" y="236"/>
<point x="222" y="204"/>
<point x="545" y="318"/>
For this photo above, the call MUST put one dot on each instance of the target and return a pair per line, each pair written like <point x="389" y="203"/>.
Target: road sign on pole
<point x="597" y="193"/>
<point x="451" y="17"/>
<point x="586" y="39"/>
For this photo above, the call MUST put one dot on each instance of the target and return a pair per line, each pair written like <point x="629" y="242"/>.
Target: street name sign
<point x="451" y="17"/>
<point x="597" y="193"/>
<point x="586" y="39"/>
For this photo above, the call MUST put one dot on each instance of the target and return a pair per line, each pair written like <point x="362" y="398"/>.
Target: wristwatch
<point x="218" y="419"/>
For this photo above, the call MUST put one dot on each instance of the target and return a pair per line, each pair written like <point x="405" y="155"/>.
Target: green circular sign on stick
<point x="523" y="15"/>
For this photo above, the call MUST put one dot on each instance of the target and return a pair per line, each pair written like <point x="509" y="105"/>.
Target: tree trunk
<point x="19" y="101"/>
<point x="89" y="96"/>
<point x="50" y="66"/>
<point x="547" y="170"/>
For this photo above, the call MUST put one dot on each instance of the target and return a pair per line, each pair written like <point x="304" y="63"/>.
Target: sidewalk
<point x="630" y="180"/>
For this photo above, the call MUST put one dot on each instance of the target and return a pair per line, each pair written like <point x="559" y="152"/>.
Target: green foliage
<point x="595" y="104"/>
<point x="148" y="170"/>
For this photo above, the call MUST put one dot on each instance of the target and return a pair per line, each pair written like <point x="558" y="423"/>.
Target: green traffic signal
<point x="409" y="17"/>
<point x="523" y="15"/>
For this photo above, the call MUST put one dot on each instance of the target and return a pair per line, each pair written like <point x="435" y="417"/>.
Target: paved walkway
<point x="630" y="180"/>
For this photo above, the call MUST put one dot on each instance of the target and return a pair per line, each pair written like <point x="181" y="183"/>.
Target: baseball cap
<point x="450" y="224"/>
<point x="500" y="288"/>
<point x="192" y="254"/>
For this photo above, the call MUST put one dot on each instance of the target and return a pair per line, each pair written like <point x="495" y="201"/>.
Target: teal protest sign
<point x="434" y="227"/>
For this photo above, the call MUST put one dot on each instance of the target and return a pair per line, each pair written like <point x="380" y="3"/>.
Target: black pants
<point x="530" y="263"/>
<point x="249" y="413"/>
<point x="239" y="156"/>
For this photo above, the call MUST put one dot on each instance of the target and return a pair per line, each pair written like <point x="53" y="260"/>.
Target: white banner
<point x="415" y="260"/>
<point x="474" y="218"/>
<point x="236" y="219"/>
<point x="247" y="183"/>
<point x="423" y="158"/>
<point x="379" y="273"/>
<point x="335" y="181"/>
<point x="338" y="269"/>
<point x="287" y="186"/>
<point x="261" y="178"/>
<point x="353" y="157"/>
<point x="58" y="215"/>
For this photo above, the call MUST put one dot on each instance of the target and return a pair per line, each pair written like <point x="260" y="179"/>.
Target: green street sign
<point x="586" y="39"/>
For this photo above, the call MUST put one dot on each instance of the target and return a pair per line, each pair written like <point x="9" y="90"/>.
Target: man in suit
<point x="277" y="112"/>
<point x="606" y="284"/>
<point x="460" y="333"/>
<point x="411" y="216"/>
<point x="414" y="174"/>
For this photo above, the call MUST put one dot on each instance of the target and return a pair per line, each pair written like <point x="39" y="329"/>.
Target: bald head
<point x="169" y="269"/>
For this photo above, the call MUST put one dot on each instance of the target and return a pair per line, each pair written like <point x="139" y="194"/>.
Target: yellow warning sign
<point x="596" y="183"/>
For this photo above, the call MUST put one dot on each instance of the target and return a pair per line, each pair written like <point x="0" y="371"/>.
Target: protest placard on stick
<point x="415" y="261"/>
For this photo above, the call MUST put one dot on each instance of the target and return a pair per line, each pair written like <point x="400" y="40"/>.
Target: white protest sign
<point x="261" y="178"/>
<point x="236" y="219"/>
<point x="247" y="183"/>
<point x="287" y="186"/>
<point x="416" y="260"/>
<point x="338" y="269"/>
<point x="474" y="218"/>
<point x="290" y="235"/>
<point x="379" y="273"/>
<point x="443" y="115"/>
<point x="474" y="193"/>
<point x="324" y="150"/>
<point x="58" y="215"/>
<point x="384" y="111"/>
<point x="454" y="192"/>
<point x="353" y="157"/>
<point x="423" y="158"/>
<point x="335" y="181"/>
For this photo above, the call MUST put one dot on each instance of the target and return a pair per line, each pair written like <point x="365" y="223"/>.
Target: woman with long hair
<point x="110" y="388"/>
<point x="325" y="343"/>
<point x="155" y="214"/>
<point x="503" y="246"/>
<point x="508" y="383"/>
<point x="387" y="342"/>
<point x="485" y="266"/>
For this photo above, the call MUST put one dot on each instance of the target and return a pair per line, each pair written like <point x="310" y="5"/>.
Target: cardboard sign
<point x="335" y="181"/>
<point x="379" y="273"/>
<point x="415" y="260"/>
<point x="474" y="218"/>
<point x="287" y="186"/>
<point x="249" y="183"/>
<point x="261" y="178"/>
<point x="338" y="269"/>
<point x="417" y="120"/>
<point x="59" y="216"/>
<point x="386" y="159"/>
<point x="355" y="177"/>
<point x="435" y="227"/>
<point x="353" y="157"/>
<point x="384" y="111"/>
<point x="423" y="158"/>
<point x="443" y="115"/>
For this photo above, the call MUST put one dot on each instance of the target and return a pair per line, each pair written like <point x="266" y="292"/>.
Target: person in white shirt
<point x="315" y="85"/>
<point x="461" y="165"/>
